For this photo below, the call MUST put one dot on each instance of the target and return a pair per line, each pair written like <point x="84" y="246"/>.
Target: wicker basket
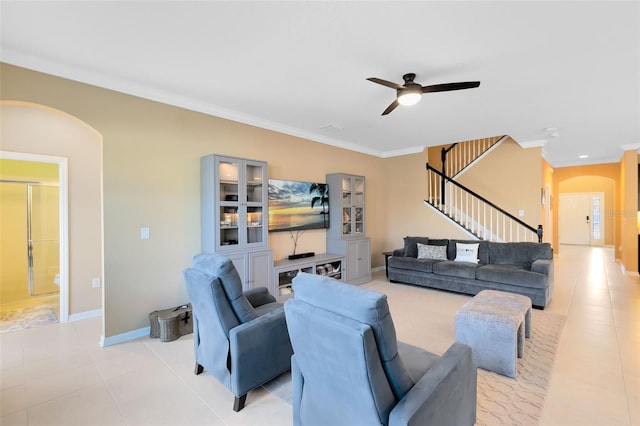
<point x="170" y="324"/>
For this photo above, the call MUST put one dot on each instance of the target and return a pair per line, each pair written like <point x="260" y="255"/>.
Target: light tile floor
<point x="58" y="375"/>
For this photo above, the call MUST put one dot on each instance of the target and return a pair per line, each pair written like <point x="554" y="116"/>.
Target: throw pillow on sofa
<point x="426" y="251"/>
<point x="467" y="252"/>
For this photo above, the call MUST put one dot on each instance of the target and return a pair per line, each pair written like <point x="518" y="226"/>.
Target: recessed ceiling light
<point x="552" y="131"/>
<point x="583" y="156"/>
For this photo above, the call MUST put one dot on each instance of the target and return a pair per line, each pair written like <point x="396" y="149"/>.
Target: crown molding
<point x="532" y="143"/>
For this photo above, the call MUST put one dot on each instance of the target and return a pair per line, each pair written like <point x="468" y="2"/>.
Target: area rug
<point x="501" y="400"/>
<point x="29" y="317"/>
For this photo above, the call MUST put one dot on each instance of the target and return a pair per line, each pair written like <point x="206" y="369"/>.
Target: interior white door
<point x="580" y="219"/>
<point x="574" y="219"/>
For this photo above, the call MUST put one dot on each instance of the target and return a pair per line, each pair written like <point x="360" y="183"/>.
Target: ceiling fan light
<point x="409" y="98"/>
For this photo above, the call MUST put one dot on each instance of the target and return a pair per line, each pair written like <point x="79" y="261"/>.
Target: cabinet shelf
<point x="327" y="264"/>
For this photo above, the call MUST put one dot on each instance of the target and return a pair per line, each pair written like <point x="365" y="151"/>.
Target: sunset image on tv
<point x="296" y="205"/>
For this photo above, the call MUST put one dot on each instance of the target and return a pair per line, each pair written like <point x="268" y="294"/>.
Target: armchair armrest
<point x="259" y="296"/>
<point x="446" y="394"/>
<point x="398" y="252"/>
<point x="260" y="350"/>
<point x="542" y="266"/>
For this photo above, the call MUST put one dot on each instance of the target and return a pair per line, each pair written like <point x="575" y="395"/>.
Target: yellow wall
<point x="628" y="208"/>
<point x="28" y="171"/>
<point x="547" y="209"/>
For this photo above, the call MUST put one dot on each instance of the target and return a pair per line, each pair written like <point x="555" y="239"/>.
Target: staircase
<point x="477" y="216"/>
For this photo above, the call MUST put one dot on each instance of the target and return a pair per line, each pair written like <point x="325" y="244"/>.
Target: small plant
<point x="295" y="237"/>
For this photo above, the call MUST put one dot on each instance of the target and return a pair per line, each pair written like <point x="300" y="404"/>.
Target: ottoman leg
<point x="521" y="340"/>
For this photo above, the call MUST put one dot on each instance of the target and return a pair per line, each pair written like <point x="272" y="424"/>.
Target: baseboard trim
<point x="124" y="337"/>
<point x="85" y="315"/>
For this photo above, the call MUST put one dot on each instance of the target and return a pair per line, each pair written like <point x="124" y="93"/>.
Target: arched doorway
<point x="35" y="132"/>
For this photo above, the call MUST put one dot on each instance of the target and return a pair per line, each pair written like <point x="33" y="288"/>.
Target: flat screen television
<point x="297" y="206"/>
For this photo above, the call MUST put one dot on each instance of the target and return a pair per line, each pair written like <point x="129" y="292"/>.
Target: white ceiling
<point x="300" y="67"/>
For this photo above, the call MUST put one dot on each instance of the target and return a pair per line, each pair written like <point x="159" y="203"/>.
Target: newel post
<point x="540" y="232"/>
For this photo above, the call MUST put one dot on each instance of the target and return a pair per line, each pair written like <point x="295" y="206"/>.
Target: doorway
<point x="580" y="219"/>
<point x="33" y="243"/>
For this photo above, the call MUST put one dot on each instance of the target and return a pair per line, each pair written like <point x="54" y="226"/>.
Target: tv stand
<point x="286" y="270"/>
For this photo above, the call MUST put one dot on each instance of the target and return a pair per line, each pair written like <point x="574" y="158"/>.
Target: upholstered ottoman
<point x="517" y="301"/>
<point x="495" y="334"/>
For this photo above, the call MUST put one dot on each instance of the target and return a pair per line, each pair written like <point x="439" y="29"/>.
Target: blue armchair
<point x="240" y="338"/>
<point x="349" y="369"/>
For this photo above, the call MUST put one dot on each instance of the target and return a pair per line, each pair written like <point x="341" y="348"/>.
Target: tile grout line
<point x="627" y="391"/>
<point x="175" y="373"/>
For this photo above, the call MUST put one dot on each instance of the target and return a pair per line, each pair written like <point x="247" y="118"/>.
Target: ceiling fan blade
<point x="391" y="107"/>
<point x="385" y="83"/>
<point x="450" y="86"/>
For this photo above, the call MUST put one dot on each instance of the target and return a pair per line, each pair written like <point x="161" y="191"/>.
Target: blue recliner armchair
<point x="349" y="369"/>
<point x="240" y="338"/>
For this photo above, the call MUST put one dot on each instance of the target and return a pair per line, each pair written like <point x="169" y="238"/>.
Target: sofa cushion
<point x="438" y="242"/>
<point x="521" y="253"/>
<point x="366" y="306"/>
<point x="411" y="264"/>
<point x="511" y="274"/>
<point x="483" y="249"/>
<point x="455" y="269"/>
<point x="428" y="251"/>
<point x="411" y="245"/>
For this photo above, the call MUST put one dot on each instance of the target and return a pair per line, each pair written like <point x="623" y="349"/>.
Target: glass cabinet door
<point x="229" y="193"/>
<point x="241" y="203"/>
<point x="346" y="206"/>
<point x="352" y="205"/>
<point x="255" y="195"/>
<point x="358" y="205"/>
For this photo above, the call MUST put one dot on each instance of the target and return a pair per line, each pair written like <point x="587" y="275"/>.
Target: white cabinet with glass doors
<point x="234" y="211"/>
<point x="346" y="233"/>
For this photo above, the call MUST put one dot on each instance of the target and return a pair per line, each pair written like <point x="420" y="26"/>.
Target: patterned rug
<point x="501" y="400"/>
<point x="29" y="317"/>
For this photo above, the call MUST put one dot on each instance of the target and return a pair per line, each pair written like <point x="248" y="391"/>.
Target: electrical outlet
<point x="95" y="283"/>
<point x="144" y="233"/>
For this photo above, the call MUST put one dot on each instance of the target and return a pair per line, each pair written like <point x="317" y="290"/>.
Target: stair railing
<point x="458" y="156"/>
<point x="475" y="213"/>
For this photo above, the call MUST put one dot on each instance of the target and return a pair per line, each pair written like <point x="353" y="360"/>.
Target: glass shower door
<point x="43" y="245"/>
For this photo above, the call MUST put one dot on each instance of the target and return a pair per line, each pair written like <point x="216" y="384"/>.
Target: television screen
<point x="296" y="206"/>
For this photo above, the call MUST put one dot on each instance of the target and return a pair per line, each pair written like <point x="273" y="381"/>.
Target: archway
<point x="38" y="133"/>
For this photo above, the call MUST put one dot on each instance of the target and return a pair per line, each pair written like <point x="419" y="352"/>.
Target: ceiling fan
<point x="410" y="92"/>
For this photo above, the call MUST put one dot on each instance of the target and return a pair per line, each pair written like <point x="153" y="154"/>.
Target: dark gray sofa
<point x="521" y="267"/>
